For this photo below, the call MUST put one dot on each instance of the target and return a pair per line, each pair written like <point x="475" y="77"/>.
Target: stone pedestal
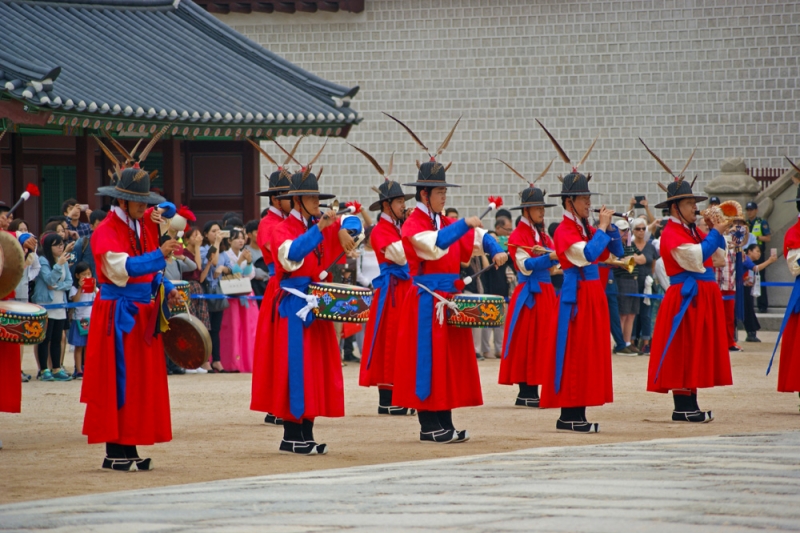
<point x="734" y="183"/>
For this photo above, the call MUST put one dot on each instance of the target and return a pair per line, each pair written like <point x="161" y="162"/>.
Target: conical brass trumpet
<point x="628" y="263"/>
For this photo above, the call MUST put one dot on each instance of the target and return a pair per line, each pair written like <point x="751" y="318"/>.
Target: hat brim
<point x="113" y="192"/>
<point x="272" y="192"/>
<point x="376" y="206"/>
<point x="525" y="206"/>
<point x="432" y="185"/>
<point x="291" y="195"/>
<point x="793" y="200"/>
<point x="573" y="194"/>
<point x="665" y="205"/>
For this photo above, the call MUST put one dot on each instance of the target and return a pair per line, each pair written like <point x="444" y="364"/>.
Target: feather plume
<point x="121" y="149"/>
<point x="446" y="141"/>
<point x="561" y="152"/>
<point x="109" y="154"/>
<point x="110" y="174"/>
<point x="310" y="163"/>
<point x="546" y="169"/>
<point x="370" y="159"/>
<point x="589" y="151"/>
<point x="687" y="163"/>
<point x="660" y="162"/>
<point x="391" y="167"/>
<point x="436" y="168"/>
<point x="795" y="167"/>
<point x="417" y="162"/>
<point x="319" y="174"/>
<point x="153" y="174"/>
<point x="3" y="134"/>
<point x="153" y="142"/>
<point x="135" y="148"/>
<point x="561" y="178"/>
<point x="512" y="169"/>
<point x="662" y="187"/>
<point x="139" y="175"/>
<point x="413" y="136"/>
<point x="447" y="166"/>
<point x="377" y="190"/>
<point x="290" y="155"/>
<point x="263" y="152"/>
<point x="692" y="184"/>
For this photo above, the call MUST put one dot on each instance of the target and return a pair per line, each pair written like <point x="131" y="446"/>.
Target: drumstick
<point x="533" y="248"/>
<point x="467" y="280"/>
<point x="324" y="273"/>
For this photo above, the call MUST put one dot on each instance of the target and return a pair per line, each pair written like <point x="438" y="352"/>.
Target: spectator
<point x="231" y="220"/>
<point x="726" y="278"/>
<point x="84" y="289"/>
<point x="192" y="240"/>
<point x="56" y="226"/>
<point x="177" y="263"/>
<point x="210" y="253"/>
<point x="627" y="284"/>
<point x="613" y="307"/>
<point x="495" y="281"/>
<point x="642" y="326"/>
<point x="31" y="270"/>
<point x="83" y="247"/>
<point x="52" y="284"/>
<point x="759" y="228"/>
<point x="753" y="265"/>
<point x="451" y="212"/>
<point x="5" y="218"/>
<point x="240" y="319"/>
<point x="261" y="277"/>
<point x="72" y="210"/>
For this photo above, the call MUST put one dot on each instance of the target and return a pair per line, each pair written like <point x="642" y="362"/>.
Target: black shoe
<point x="300" y="448"/>
<point x="396" y="411"/>
<point x="144" y="464"/>
<point x="273" y="420"/>
<point x="527" y="402"/>
<point x="752" y="338"/>
<point x="440" y="436"/>
<point x="461" y="436"/>
<point x="479" y="357"/>
<point x="735" y="348"/>
<point x="701" y="417"/>
<point x="322" y="449"/>
<point x="578" y="427"/>
<point x="352" y="359"/>
<point x="120" y="465"/>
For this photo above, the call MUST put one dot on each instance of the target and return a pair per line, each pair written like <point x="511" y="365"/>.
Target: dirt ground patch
<point x="216" y="436"/>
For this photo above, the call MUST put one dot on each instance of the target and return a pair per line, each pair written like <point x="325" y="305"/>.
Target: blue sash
<point x="688" y="292"/>
<point x="792" y="308"/>
<point x="271" y="269"/>
<point x="435" y="282"/>
<point x="125" y="310"/>
<point x="384" y="283"/>
<point x="568" y="310"/>
<point x="530" y="288"/>
<point x="288" y="307"/>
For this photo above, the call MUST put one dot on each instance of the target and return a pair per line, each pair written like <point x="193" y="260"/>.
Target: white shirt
<point x="82" y="312"/>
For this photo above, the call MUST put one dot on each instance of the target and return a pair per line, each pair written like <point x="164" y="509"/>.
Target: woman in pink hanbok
<point x="238" y="333"/>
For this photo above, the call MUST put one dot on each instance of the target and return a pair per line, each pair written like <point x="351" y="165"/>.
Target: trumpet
<point x="626" y="216"/>
<point x="627" y="263"/>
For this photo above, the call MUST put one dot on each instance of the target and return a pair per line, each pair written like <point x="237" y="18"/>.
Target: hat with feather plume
<point x="678" y="189"/>
<point x="279" y="181"/>
<point x="305" y="183"/>
<point x="431" y="173"/>
<point x="128" y="180"/>
<point x="533" y="196"/>
<point x="389" y="189"/>
<point x="574" y="183"/>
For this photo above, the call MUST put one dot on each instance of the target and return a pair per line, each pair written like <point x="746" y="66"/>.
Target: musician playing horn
<point x="305" y="371"/>
<point x="690" y="346"/>
<point x="125" y="381"/>
<point x="532" y="312"/>
<point x="436" y="371"/>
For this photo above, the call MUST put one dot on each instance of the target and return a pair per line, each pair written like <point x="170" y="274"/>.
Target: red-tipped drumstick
<point x="30" y="190"/>
<point x="494" y="203"/>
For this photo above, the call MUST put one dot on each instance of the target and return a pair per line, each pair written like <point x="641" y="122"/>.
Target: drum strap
<point x="295" y="307"/>
<point x="568" y="310"/>
<point x="385" y="283"/>
<point x="427" y="284"/>
<point x="125" y="311"/>
<point x="689" y="290"/>
<point x="792" y="308"/>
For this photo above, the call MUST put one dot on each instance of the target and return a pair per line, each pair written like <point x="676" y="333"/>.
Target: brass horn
<point x="628" y="263"/>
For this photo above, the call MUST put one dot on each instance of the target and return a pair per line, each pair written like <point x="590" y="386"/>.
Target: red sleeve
<point x="381" y="238"/>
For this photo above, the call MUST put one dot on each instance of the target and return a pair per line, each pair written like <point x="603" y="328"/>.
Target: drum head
<point x="13" y="263"/>
<point x="22" y="308"/>
<point x="187" y="342"/>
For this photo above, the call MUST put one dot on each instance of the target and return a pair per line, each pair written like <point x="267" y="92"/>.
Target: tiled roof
<point x="157" y="61"/>
<point x="281" y="6"/>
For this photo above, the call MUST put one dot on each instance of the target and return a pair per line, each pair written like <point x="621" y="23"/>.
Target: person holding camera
<point x="72" y="211"/>
<point x="220" y="266"/>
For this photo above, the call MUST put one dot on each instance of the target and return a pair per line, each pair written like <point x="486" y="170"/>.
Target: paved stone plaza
<point x="729" y="483"/>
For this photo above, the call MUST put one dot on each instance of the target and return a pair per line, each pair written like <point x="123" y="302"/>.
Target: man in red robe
<point x="125" y="379"/>
<point x="305" y="370"/>
<point x="690" y="343"/>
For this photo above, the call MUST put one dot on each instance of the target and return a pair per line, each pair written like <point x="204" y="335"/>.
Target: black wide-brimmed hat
<point x="389" y="189"/>
<point x="431" y="173"/>
<point x="129" y="181"/>
<point x="532" y="196"/>
<point x="278" y="180"/>
<point x="679" y="189"/>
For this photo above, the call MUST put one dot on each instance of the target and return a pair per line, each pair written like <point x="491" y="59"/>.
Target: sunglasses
<point x="638" y="229"/>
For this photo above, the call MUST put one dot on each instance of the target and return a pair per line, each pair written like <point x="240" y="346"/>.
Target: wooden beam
<point x="173" y="171"/>
<point x="306" y="7"/>
<point x="331" y="7"/>
<point x="86" y="175"/>
<point x="263" y="7"/>
<point x="222" y="9"/>
<point x="285" y="7"/>
<point x="241" y="7"/>
<point x="251" y="169"/>
<point x="353" y="6"/>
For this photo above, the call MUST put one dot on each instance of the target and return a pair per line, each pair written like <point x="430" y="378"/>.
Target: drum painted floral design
<point x="477" y="311"/>
<point x="22" y="323"/>
<point x="341" y="303"/>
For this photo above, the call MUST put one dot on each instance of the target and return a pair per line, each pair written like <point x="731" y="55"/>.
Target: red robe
<point x="789" y="370"/>
<point x="144" y="419"/>
<point x="261" y="369"/>
<point x="323" y="386"/>
<point x="698" y="356"/>
<point x="455" y="381"/>
<point x="10" y="373"/>
<point x="379" y="370"/>
<point x="530" y="341"/>
<point x="586" y="376"/>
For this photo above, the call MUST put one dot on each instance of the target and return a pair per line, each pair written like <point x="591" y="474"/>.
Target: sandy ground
<point x="216" y="436"/>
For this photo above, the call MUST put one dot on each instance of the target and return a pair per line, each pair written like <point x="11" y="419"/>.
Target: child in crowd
<point x="752" y="279"/>
<point x="84" y="289"/>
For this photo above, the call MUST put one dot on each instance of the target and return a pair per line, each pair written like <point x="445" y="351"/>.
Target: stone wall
<point x="717" y="75"/>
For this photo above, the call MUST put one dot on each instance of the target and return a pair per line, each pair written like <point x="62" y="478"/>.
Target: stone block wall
<point x="717" y="75"/>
